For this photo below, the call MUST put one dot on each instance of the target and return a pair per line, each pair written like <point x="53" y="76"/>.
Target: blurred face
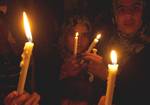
<point x="129" y="15"/>
<point x="83" y="40"/>
<point x="3" y="8"/>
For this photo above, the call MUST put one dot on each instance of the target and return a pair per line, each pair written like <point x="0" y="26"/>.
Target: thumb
<point x="102" y="100"/>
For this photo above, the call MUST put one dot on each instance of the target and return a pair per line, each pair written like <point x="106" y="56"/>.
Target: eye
<point x="121" y="10"/>
<point x="137" y="7"/>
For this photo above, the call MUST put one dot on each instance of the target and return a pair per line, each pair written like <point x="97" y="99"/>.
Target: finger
<point x="94" y="50"/>
<point x="32" y="98"/>
<point x="102" y="101"/>
<point x="89" y="54"/>
<point x="93" y="57"/>
<point x="36" y="102"/>
<point x="21" y="98"/>
<point x="10" y="97"/>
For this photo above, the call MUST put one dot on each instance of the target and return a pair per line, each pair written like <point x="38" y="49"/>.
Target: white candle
<point x="76" y="43"/>
<point x="112" y="72"/>
<point x="93" y="44"/>
<point x="27" y="52"/>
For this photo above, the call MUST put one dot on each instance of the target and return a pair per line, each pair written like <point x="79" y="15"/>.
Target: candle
<point x="94" y="50"/>
<point x="93" y="44"/>
<point x="27" y="52"/>
<point x="76" y="43"/>
<point x="112" y="71"/>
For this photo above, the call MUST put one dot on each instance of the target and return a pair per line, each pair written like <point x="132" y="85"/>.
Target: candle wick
<point x="113" y="63"/>
<point x="30" y="40"/>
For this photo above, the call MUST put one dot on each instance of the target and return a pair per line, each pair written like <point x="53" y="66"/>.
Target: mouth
<point x="129" y="23"/>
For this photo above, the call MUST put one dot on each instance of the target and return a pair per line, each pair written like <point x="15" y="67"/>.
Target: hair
<point x="115" y="3"/>
<point x="68" y="29"/>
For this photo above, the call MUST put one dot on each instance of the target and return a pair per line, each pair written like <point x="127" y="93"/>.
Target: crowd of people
<point x="58" y="77"/>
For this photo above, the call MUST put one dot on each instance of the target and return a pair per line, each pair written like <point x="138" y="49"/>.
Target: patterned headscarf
<point x="127" y="47"/>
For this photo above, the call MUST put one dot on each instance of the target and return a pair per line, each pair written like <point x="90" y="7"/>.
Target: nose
<point x="128" y="16"/>
<point x="128" y="11"/>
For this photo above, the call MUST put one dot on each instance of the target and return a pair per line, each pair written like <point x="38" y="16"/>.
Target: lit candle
<point x="76" y="43"/>
<point x="27" y="52"/>
<point x="112" y="72"/>
<point x="93" y="44"/>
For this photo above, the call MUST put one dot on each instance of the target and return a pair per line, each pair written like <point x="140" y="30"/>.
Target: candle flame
<point x="27" y="27"/>
<point x="77" y="34"/>
<point x="113" y="56"/>
<point x="98" y="36"/>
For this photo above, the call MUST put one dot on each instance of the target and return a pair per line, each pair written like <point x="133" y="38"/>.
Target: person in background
<point x="130" y="39"/>
<point x="81" y="25"/>
<point x="129" y="27"/>
<point x="71" y="66"/>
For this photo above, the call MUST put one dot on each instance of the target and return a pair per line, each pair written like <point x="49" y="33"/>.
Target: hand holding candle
<point x="112" y="72"/>
<point x="93" y="44"/>
<point x="27" y="52"/>
<point x="76" y="43"/>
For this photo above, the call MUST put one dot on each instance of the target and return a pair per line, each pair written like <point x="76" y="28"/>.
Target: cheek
<point x="120" y="21"/>
<point x="70" y="43"/>
<point x="138" y="19"/>
<point x="86" y="44"/>
<point x="83" y="44"/>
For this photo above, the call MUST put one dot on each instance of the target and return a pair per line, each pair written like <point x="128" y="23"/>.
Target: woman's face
<point x="129" y="15"/>
<point x="83" y="40"/>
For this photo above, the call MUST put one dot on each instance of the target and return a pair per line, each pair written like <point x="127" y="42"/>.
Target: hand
<point x="102" y="100"/>
<point x="96" y="65"/>
<point x="70" y="68"/>
<point x="14" y="98"/>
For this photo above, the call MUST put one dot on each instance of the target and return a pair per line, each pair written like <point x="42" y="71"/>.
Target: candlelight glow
<point x="113" y="56"/>
<point x="98" y="36"/>
<point x="77" y="34"/>
<point x="112" y="73"/>
<point x="27" y="27"/>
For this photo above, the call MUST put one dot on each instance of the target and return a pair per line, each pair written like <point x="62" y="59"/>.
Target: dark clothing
<point x="46" y="18"/>
<point x="80" y="89"/>
<point x="8" y="74"/>
<point x="132" y="87"/>
<point x="83" y="86"/>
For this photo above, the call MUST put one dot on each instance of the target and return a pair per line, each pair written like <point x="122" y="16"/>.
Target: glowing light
<point x="27" y="27"/>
